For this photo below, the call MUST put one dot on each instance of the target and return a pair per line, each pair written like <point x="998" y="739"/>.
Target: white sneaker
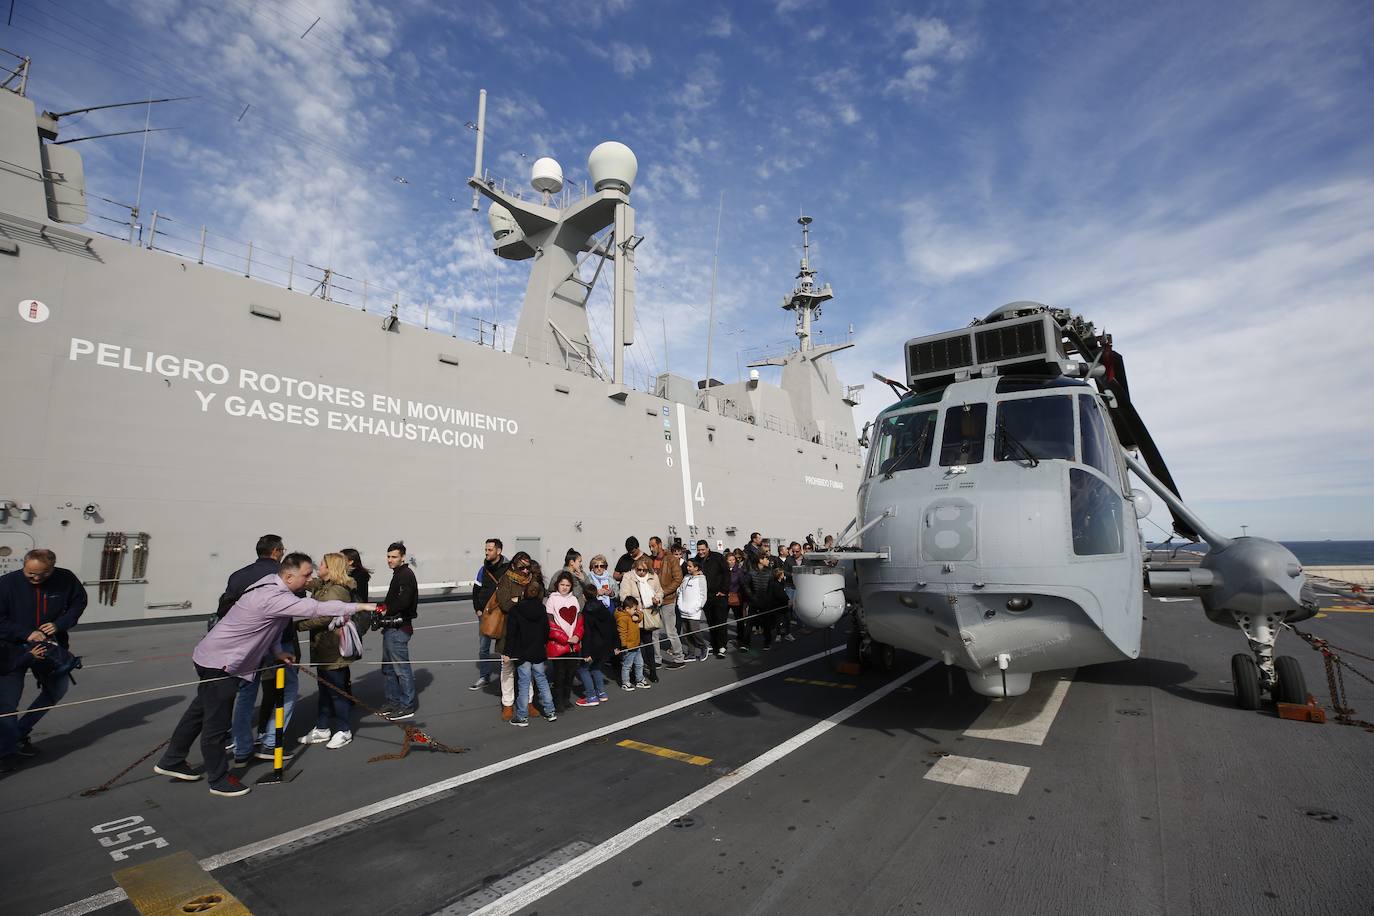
<point x="315" y="736"/>
<point x="339" y="740"/>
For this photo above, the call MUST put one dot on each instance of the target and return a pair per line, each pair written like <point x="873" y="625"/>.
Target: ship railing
<point x="14" y="76"/>
<point x="249" y="259"/>
<point x="521" y="190"/>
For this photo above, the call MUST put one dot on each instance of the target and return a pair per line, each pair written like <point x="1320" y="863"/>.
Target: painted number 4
<point x="125" y="830"/>
<point x="700" y="495"/>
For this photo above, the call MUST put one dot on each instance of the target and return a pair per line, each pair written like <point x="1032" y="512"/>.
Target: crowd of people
<point x="547" y="642"/>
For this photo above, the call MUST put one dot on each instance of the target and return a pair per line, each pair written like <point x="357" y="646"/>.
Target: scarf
<point x="644" y="586"/>
<point x="600" y="580"/>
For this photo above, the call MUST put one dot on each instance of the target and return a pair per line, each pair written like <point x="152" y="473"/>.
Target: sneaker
<point x="267" y="753"/>
<point x="675" y="663"/>
<point x="241" y="762"/>
<point x="178" y="771"/>
<point x="629" y="687"/>
<point x="315" y="736"/>
<point x="789" y="637"/>
<point x="520" y="723"/>
<point x="584" y="701"/>
<point x="479" y="683"/>
<point x="400" y="715"/>
<point x="720" y="653"/>
<point x="551" y="716"/>
<point x="603" y="698"/>
<point x="643" y="685"/>
<point x="26" y="748"/>
<point x="339" y="740"/>
<point x="229" y="786"/>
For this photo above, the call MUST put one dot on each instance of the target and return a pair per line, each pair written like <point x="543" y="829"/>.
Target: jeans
<point x="667" y="636"/>
<point x="51" y="690"/>
<point x="593" y="680"/>
<point x="490" y="664"/>
<point x="208" y="716"/>
<point x="267" y="716"/>
<point x="524" y="671"/>
<point x="246" y="721"/>
<point x="693" y="636"/>
<point x="399" y="678"/>
<point x="334" y="708"/>
<point x="631" y="662"/>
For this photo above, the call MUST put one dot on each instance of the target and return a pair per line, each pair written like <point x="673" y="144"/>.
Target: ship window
<point x="1097" y="447"/>
<point x="905" y="441"/>
<point x="965" y="428"/>
<point x="1042" y="427"/>
<point x="1095" y="514"/>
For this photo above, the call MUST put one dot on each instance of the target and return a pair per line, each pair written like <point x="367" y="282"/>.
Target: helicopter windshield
<point x="1097" y="447"/>
<point x="965" y="428"/>
<point x="1095" y="514"/>
<point x="905" y="441"/>
<point x="1042" y="427"/>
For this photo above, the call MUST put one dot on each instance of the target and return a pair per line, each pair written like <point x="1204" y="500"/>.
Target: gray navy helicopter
<point x="996" y="527"/>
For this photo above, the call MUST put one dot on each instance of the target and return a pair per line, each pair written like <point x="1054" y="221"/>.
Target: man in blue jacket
<point x="39" y="603"/>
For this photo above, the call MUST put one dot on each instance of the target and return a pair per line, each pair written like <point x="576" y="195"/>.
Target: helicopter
<point x="996" y="526"/>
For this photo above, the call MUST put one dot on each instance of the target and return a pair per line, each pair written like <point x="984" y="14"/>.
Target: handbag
<point x="733" y="599"/>
<point x="653" y="620"/>
<point x="493" y="623"/>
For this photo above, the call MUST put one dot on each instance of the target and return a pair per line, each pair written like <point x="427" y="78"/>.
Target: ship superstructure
<point x="165" y="412"/>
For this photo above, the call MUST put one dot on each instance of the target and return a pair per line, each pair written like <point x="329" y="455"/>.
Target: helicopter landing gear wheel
<point x="881" y="657"/>
<point x="1291" y="686"/>
<point x="1245" y="681"/>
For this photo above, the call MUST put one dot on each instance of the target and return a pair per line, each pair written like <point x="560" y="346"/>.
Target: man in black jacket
<point x="493" y="568"/>
<point x="402" y="602"/>
<point x="717" y="587"/>
<point x="38" y="603"/>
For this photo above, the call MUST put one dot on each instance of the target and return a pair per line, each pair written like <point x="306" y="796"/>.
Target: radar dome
<point x="613" y="167"/>
<point x="502" y="222"/>
<point x="546" y="176"/>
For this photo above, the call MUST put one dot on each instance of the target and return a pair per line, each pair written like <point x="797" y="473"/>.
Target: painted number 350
<point x="125" y="831"/>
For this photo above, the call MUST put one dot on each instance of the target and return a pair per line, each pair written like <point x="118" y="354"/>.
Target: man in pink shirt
<point x="240" y="644"/>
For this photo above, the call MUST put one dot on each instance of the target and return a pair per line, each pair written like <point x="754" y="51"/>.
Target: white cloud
<point x="721" y="26"/>
<point x="940" y="251"/>
<point x="935" y="48"/>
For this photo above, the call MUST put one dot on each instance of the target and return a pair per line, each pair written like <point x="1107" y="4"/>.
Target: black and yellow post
<point x="278" y="774"/>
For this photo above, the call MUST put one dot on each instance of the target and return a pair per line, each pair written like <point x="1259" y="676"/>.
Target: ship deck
<point x="809" y="791"/>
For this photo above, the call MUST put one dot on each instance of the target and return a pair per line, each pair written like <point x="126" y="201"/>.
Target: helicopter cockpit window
<point x="905" y="441"/>
<point x="1097" y="446"/>
<point x="965" y="427"/>
<point x="1038" y="428"/>
<point x="1095" y="513"/>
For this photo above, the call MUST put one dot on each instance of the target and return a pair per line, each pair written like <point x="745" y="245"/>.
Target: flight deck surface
<point x="747" y="785"/>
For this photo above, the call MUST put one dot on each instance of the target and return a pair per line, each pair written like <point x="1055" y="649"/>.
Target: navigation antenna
<point x="806" y="300"/>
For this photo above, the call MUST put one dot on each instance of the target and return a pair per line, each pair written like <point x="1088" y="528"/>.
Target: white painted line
<point x="547" y="884"/>
<point x="686" y="466"/>
<point x="493" y="892"/>
<point x="973" y="773"/>
<point x="105" y="898"/>
<point x="1025" y="719"/>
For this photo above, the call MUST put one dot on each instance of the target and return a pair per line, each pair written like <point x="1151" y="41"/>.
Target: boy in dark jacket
<point x="38" y="603"/>
<point x="526" y="647"/>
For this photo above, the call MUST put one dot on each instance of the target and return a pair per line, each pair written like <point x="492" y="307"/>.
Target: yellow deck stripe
<point x="803" y="680"/>
<point x="671" y="754"/>
<point x="1349" y="609"/>
<point x="174" y="885"/>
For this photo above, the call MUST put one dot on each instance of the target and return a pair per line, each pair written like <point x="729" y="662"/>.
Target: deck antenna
<point x="480" y="128"/>
<point x="143" y="156"/>
<point x="711" y="313"/>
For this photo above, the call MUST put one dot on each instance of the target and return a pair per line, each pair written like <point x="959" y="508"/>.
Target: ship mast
<point x="807" y="298"/>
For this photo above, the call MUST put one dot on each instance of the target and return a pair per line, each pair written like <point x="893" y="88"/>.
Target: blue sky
<point x="1195" y="178"/>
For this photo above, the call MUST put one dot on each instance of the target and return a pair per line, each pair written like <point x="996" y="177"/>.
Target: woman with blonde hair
<point x="329" y="656"/>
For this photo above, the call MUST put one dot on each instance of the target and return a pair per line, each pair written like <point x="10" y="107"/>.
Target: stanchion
<point x="278" y="774"/>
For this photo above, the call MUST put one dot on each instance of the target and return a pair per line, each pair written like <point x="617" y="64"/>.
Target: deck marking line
<point x="668" y="752"/>
<point x="973" y="773"/>
<point x="1349" y="609"/>
<point x="803" y="680"/>
<point x="604" y="852"/>
<point x="497" y="889"/>
<point x="1025" y="719"/>
<point x="210" y="863"/>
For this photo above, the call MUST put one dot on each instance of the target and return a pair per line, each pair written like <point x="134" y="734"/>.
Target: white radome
<point x="546" y="175"/>
<point x="501" y="220"/>
<point x="613" y="167"/>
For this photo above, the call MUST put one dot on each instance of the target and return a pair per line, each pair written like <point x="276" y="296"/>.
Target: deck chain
<point x="1335" y="677"/>
<point x="413" y="735"/>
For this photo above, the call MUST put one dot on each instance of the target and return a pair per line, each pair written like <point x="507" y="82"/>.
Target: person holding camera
<point x="402" y="603"/>
<point x="39" y="604"/>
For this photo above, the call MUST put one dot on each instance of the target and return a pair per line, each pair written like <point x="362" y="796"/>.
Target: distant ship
<point x="163" y="411"/>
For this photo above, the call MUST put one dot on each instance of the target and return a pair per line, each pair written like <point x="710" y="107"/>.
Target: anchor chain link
<point x="413" y="735"/>
<point x="1335" y="677"/>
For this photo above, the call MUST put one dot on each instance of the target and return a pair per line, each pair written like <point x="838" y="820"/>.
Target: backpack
<point x="226" y="601"/>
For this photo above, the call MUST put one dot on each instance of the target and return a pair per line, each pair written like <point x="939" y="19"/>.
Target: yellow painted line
<point x="176" y="884"/>
<point x="1349" y="609"/>
<point x="803" y="680"/>
<point x="671" y="754"/>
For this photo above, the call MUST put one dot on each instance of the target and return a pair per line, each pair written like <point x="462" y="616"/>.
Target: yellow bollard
<point x="278" y="774"/>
